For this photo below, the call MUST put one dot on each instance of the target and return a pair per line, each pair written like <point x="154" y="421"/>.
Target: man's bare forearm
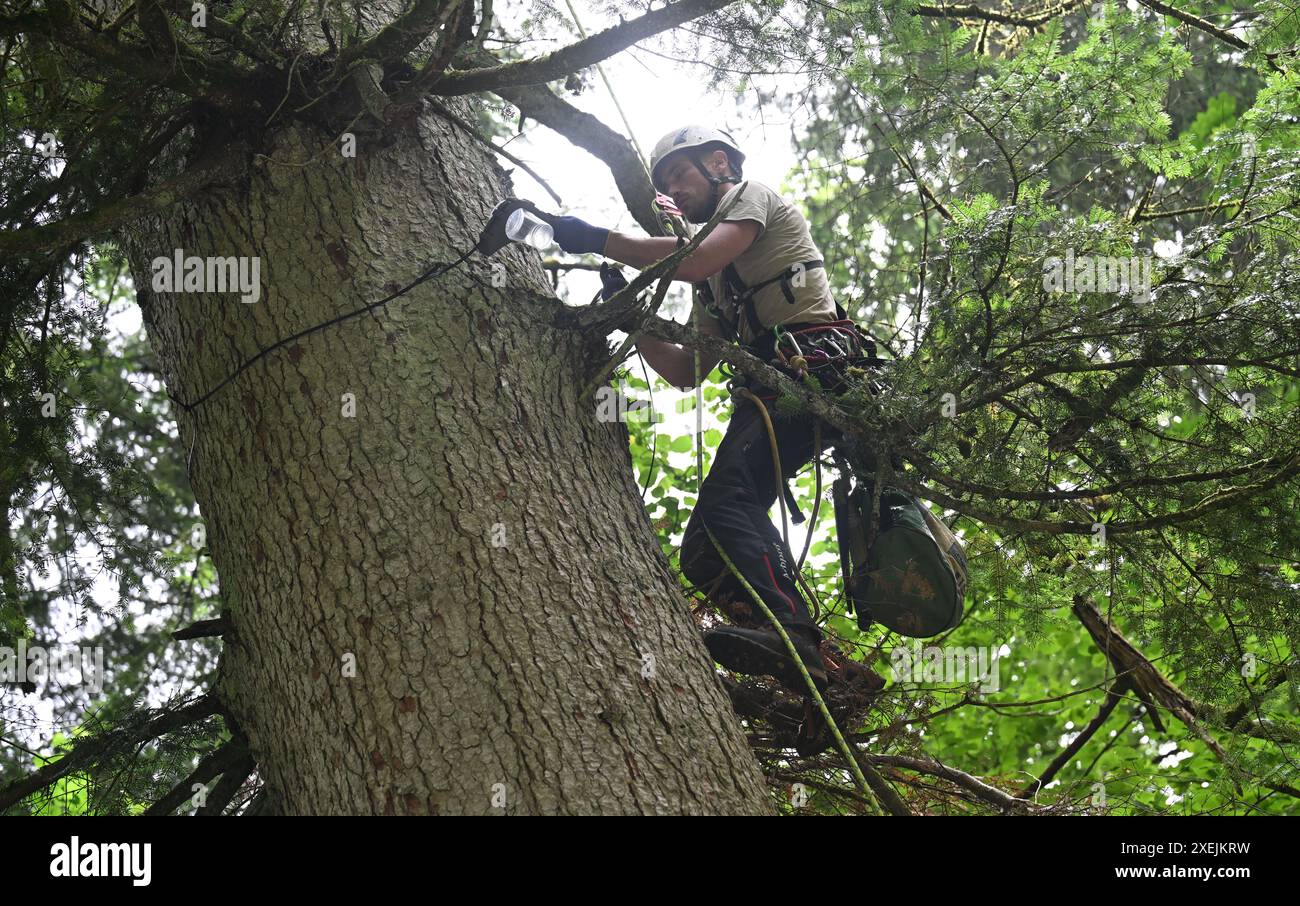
<point x="728" y="240"/>
<point x="639" y="251"/>
<point x="643" y="251"/>
<point x="670" y="361"/>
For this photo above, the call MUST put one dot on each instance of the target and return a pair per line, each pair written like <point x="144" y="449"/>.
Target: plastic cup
<point x="523" y="226"/>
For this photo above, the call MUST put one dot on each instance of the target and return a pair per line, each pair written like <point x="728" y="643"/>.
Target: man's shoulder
<point x="776" y="209"/>
<point x="756" y="201"/>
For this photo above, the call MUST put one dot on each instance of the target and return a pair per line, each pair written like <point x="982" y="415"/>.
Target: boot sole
<point x="742" y="655"/>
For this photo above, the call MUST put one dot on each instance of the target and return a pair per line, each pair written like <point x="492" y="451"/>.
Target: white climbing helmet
<point x="689" y="137"/>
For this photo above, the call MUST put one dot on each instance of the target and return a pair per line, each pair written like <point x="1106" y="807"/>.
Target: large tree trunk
<point x="470" y="535"/>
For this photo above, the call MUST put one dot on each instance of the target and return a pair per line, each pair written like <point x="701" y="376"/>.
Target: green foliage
<point x="93" y="468"/>
<point x="948" y="164"/>
<point x="1172" y="422"/>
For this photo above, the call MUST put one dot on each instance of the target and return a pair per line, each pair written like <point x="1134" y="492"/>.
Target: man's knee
<point x="697" y="551"/>
<point x="700" y="561"/>
<point x="725" y="488"/>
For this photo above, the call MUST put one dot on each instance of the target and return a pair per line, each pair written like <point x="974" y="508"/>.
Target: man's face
<point x="689" y="190"/>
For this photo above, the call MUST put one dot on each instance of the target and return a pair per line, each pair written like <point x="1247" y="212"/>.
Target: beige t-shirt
<point x="783" y="239"/>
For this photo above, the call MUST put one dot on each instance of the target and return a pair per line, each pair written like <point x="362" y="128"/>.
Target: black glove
<point x="612" y="280"/>
<point x="575" y="235"/>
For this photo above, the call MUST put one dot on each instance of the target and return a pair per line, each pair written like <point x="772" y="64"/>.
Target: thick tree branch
<point x="1195" y="22"/>
<point x="222" y="761"/>
<point x="241" y="41"/>
<point x="1287" y="464"/>
<point x="576" y="56"/>
<point x="1211" y="503"/>
<point x="402" y="35"/>
<point x="539" y="103"/>
<point x="826" y="408"/>
<point x="979" y="14"/>
<point x="1136" y="673"/>
<point x="818" y="403"/>
<point x="988" y="793"/>
<point x="193" y="74"/>
<point x="936" y="472"/>
<point x="203" y="629"/>
<point x="231" y="780"/>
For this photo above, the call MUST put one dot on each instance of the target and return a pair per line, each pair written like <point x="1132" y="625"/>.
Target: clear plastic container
<point x="524" y="226"/>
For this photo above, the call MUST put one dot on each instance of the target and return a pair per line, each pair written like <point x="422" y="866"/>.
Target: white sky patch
<point x="658" y="95"/>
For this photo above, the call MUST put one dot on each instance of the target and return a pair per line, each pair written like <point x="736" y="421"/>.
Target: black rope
<point x="654" y="447"/>
<point x="436" y="271"/>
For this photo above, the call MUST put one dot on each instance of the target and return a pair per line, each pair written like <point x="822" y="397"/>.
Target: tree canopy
<point x="1071" y="229"/>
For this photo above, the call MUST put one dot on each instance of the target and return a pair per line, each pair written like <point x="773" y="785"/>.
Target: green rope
<point x="854" y="768"/>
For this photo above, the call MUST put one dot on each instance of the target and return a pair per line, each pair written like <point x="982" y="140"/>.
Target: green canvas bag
<point x="913" y="579"/>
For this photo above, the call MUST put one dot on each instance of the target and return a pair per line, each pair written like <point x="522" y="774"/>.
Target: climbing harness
<point x="742" y="295"/>
<point x="823" y="349"/>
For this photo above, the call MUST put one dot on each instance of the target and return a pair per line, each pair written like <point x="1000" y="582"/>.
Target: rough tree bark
<point x="470" y="536"/>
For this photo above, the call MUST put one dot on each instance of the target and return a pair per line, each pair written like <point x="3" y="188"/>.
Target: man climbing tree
<point x="407" y="623"/>
<point x="758" y="269"/>
<point x="386" y="556"/>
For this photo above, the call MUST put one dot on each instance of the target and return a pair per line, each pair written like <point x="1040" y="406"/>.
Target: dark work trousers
<point x="734" y="501"/>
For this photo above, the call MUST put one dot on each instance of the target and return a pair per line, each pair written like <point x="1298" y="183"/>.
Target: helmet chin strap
<point x="715" y="183"/>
